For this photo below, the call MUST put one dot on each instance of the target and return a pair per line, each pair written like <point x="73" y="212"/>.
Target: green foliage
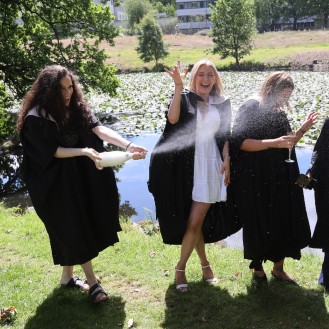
<point x="297" y="9"/>
<point x="268" y="12"/>
<point x="233" y="27"/>
<point x="136" y="10"/>
<point x="169" y="8"/>
<point x="150" y="39"/>
<point x="7" y="121"/>
<point x="32" y="36"/>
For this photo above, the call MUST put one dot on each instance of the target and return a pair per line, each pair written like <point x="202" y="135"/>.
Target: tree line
<point x="69" y="32"/>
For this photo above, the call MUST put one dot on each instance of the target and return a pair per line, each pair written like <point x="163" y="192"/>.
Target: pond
<point x="138" y="112"/>
<point x="132" y="184"/>
<point x="133" y="178"/>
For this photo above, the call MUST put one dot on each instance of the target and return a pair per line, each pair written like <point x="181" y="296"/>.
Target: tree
<point x="32" y="36"/>
<point x="233" y="27"/>
<point x="136" y="10"/>
<point x="321" y="7"/>
<point x="150" y="40"/>
<point x="297" y="9"/>
<point x="268" y="12"/>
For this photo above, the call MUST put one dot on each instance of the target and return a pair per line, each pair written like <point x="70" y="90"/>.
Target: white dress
<point x="208" y="183"/>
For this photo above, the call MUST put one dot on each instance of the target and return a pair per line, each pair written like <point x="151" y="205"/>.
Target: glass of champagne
<point x="289" y="160"/>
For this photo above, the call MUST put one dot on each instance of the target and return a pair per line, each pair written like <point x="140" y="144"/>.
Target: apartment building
<point x="193" y="16"/>
<point x="121" y="17"/>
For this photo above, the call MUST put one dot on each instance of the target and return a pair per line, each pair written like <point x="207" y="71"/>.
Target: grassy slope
<point x="134" y="272"/>
<point x="275" y="49"/>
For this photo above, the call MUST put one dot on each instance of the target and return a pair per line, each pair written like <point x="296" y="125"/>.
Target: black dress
<point x="171" y="176"/>
<point x="319" y="170"/>
<point x="77" y="203"/>
<point x="270" y="205"/>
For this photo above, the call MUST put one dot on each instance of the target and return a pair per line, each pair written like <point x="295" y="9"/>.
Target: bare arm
<point x="110" y="136"/>
<point x="255" y="145"/>
<point x="174" y="108"/>
<point x="64" y="152"/>
<point x="225" y="170"/>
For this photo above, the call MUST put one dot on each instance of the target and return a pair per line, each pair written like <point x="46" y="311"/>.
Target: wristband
<point x="128" y="146"/>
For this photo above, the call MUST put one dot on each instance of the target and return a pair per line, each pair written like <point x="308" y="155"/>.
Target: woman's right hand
<point x="92" y="154"/>
<point x="175" y="75"/>
<point x="286" y="141"/>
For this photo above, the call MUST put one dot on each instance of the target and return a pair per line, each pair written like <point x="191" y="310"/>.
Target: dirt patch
<point x="310" y="61"/>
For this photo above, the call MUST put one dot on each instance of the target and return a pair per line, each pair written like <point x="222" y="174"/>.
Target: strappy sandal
<point x="213" y="280"/>
<point x="77" y="283"/>
<point x="94" y="291"/>
<point x="183" y="287"/>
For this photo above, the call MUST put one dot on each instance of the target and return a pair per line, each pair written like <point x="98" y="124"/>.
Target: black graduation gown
<point x="319" y="170"/>
<point x="171" y="176"/>
<point x="77" y="202"/>
<point x="270" y="205"/>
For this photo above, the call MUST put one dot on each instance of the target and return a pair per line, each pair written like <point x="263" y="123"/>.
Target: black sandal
<point x="94" y="291"/>
<point x="76" y="282"/>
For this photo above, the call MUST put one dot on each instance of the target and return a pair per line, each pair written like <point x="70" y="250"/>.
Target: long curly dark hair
<point x="45" y="95"/>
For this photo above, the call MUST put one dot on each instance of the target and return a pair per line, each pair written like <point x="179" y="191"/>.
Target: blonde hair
<point x="275" y="83"/>
<point x="218" y="88"/>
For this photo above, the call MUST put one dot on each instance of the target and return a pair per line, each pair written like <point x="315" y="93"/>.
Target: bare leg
<point x="92" y="280"/>
<point x="67" y="275"/>
<point x="201" y="251"/>
<point x="191" y="236"/>
<point x="279" y="272"/>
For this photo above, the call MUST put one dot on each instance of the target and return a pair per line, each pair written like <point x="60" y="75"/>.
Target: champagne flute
<point x="289" y="160"/>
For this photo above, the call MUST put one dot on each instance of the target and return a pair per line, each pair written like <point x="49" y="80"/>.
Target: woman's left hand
<point x="311" y="120"/>
<point x="138" y="151"/>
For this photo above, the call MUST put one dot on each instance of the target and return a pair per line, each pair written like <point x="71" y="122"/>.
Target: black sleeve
<point x="243" y="124"/>
<point x="40" y="141"/>
<point x="320" y="155"/>
<point x="94" y="122"/>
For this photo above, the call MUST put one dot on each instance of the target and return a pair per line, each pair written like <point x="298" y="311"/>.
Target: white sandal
<point x="183" y="287"/>
<point x="213" y="280"/>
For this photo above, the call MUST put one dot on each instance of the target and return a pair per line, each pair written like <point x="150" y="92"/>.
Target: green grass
<point x="270" y="50"/>
<point x="134" y="273"/>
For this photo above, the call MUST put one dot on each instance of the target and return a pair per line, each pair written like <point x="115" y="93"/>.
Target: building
<point x="193" y="16"/>
<point x="121" y="17"/>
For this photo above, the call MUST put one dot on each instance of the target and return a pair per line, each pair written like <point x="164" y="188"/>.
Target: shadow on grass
<point x="273" y="306"/>
<point x="72" y="309"/>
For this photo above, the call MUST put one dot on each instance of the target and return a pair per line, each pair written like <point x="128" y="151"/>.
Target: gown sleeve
<point x="320" y="153"/>
<point x="243" y="125"/>
<point x="39" y="140"/>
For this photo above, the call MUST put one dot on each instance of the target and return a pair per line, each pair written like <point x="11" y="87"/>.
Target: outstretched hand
<point x="139" y="152"/>
<point x="175" y="75"/>
<point x="311" y="119"/>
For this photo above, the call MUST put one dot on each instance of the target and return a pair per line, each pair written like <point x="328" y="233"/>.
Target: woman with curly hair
<point x="77" y="203"/>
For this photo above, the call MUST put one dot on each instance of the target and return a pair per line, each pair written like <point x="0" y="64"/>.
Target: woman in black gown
<point x="77" y="203"/>
<point x="189" y="168"/>
<point x="319" y="170"/>
<point x="270" y="205"/>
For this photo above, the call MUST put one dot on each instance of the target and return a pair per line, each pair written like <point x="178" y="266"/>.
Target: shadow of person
<point x="72" y="309"/>
<point x="276" y="305"/>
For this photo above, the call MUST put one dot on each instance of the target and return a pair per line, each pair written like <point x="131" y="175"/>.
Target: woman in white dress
<point x="190" y="165"/>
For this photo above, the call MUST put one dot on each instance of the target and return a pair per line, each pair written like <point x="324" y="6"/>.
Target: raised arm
<point x="174" y="108"/>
